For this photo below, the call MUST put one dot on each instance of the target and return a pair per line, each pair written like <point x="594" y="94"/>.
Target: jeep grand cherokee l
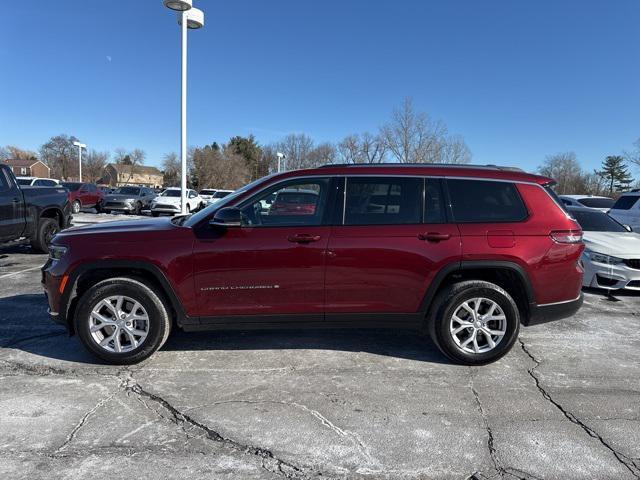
<point x="464" y="253"/>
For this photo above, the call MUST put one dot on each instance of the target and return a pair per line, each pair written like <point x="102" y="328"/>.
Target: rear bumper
<point x="553" y="311"/>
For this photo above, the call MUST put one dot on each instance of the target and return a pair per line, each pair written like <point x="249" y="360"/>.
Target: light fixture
<point x="178" y="5"/>
<point x="195" y="18"/>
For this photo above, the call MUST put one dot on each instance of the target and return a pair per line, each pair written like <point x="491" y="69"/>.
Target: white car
<point x="207" y="193"/>
<point x="217" y="196"/>
<point x="169" y="202"/>
<point x="626" y="210"/>
<point x="589" y="201"/>
<point x="37" y="182"/>
<point x="611" y="259"/>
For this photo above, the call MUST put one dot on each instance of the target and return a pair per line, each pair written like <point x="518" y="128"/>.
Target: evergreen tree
<point x="615" y="171"/>
<point x="250" y="150"/>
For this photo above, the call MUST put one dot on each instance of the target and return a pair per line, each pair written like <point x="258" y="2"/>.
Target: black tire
<point x="188" y="209"/>
<point x="450" y="299"/>
<point x="155" y="214"/>
<point x="46" y="230"/>
<point x="76" y="206"/>
<point x="151" y="301"/>
<point x="138" y="208"/>
<point x="98" y="207"/>
<point x="108" y="212"/>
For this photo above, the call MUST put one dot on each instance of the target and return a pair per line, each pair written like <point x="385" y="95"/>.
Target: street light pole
<point x="281" y="157"/>
<point x="80" y="147"/>
<point x="183" y="117"/>
<point x="188" y="17"/>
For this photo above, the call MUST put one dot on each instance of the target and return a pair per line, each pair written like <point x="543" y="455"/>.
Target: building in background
<point x="28" y="168"/>
<point x="119" y="175"/>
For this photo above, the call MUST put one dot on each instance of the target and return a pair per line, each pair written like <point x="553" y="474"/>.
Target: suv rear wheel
<point x="474" y="322"/>
<point x="122" y="321"/>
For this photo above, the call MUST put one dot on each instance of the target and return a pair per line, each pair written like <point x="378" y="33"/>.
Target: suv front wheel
<point x="474" y="322"/>
<point x="122" y="321"/>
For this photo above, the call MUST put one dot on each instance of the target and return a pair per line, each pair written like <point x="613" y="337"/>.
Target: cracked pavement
<point x="565" y="403"/>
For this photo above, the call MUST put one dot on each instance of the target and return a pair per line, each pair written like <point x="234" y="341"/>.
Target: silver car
<point x="129" y="200"/>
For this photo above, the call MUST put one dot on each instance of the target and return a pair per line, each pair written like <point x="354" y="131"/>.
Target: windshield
<point x="595" y="202"/>
<point x="23" y="181"/>
<point x="207" y="192"/>
<point x="202" y="214"/>
<point x="72" y="186"/>
<point x="220" y="194"/>
<point x="127" y="191"/>
<point x="170" y="193"/>
<point x="593" y="221"/>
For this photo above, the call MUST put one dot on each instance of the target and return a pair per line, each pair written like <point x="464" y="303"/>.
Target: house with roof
<point x="120" y="175"/>
<point x="28" y="167"/>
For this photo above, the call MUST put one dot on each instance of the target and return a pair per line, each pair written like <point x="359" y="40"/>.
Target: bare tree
<point x="565" y="169"/>
<point x="171" y="170"/>
<point x="413" y="137"/>
<point x="365" y="148"/>
<point x="215" y="168"/>
<point x="452" y="150"/>
<point x="323" y="154"/>
<point x="297" y="148"/>
<point x="633" y="156"/>
<point x="16" y="153"/>
<point x="93" y="164"/>
<point x="61" y="156"/>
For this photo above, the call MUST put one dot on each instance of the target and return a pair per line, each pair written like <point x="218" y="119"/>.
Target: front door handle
<point x="434" y="236"/>
<point x="304" y="238"/>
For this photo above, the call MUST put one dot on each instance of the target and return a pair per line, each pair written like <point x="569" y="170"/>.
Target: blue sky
<point x="518" y="79"/>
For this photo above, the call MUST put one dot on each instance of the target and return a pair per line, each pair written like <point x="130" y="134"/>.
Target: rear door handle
<point x="304" y="238"/>
<point x="434" y="236"/>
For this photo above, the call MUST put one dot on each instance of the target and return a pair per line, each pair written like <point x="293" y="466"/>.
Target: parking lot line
<point x="21" y="271"/>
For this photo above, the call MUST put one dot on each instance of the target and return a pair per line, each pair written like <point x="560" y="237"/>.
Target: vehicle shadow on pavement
<point x="25" y="326"/>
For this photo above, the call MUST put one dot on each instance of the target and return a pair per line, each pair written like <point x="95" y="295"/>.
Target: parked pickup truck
<point x="37" y="213"/>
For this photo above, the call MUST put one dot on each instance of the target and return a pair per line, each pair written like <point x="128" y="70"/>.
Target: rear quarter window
<point x="484" y="201"/>
<point x="625" y="202"/>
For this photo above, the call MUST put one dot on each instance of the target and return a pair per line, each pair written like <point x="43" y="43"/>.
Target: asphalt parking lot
<point x="565" y="403"/>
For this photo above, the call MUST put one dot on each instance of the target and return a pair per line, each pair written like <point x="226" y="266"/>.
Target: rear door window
<point x="483" y="201"/>
<point x="625" y="202"/>
<point x="383" y="201"/>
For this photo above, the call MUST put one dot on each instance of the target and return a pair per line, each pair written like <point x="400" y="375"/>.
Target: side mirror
<point x="628" y="227"/>
<point x="226" y="218"/>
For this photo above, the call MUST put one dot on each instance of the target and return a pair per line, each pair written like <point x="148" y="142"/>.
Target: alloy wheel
<point x="119" y="324"/>
<point x="478" y="325"/>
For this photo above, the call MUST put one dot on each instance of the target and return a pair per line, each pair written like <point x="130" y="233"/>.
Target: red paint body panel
<point x="259" y="270"/>
<point x="385" y="268"/>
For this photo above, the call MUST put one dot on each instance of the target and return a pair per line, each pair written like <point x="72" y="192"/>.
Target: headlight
<point x="56" y="252"/>
<point x="602" y="258"/>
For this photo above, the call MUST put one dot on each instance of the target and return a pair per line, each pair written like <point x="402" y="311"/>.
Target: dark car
<point x="466" y="253"/>
<point x="128" y="200"/>
<point x="84" y="195"/>
<point x="36" y="213"/>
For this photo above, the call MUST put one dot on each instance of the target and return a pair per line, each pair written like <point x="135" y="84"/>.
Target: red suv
<point x="466" y="253"/>
<point x="84" y="195"/>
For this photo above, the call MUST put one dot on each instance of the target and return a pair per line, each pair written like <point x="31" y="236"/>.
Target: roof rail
<point x="426" y="165"/>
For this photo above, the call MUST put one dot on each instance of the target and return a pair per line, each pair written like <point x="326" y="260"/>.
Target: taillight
<point x="566" y="236"/>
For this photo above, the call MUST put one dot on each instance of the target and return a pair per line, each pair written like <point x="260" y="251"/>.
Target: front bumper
<point x="121" y="207"/>
<point x="610" y="277"/>
<point x="166" y="209"/>
<point x="552" y="311"/>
